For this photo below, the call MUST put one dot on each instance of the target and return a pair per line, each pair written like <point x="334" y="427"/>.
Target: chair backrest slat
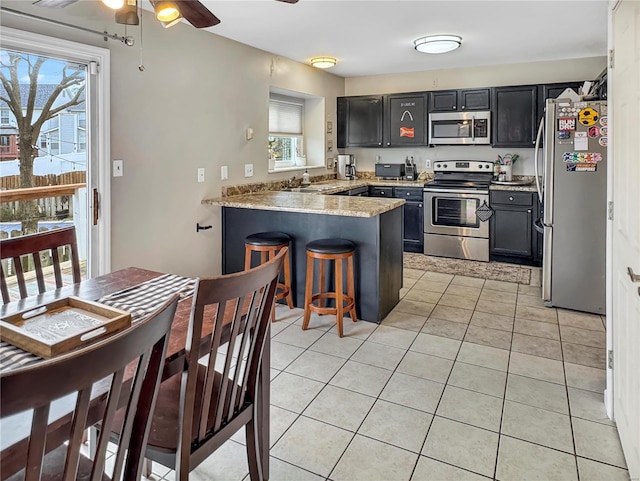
<point x="21" y="249"/>
<point x="103" y="369"/>
<point x="242" y="303"/>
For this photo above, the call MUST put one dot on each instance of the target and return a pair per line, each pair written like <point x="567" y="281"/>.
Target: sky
<point x="50" y="72"/>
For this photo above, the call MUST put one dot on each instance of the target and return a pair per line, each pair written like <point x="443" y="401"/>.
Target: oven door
<point x="453" y="212"/>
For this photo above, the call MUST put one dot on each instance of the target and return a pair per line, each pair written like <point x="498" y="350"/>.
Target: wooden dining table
<point x="14" y="431"/>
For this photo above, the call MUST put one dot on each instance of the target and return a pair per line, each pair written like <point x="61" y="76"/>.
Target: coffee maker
<point x="346" y="167"/>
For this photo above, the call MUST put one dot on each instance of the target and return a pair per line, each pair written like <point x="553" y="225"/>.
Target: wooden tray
<point x="62" y="326"/>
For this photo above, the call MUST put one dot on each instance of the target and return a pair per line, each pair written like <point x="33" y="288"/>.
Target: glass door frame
<point x="98" y="139"/>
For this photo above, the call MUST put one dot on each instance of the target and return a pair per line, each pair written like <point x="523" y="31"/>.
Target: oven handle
<point x="457" y="191"/>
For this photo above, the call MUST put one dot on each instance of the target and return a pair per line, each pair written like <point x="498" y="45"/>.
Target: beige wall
<point x="488" y="76"/>
<point x="188" y="109"/>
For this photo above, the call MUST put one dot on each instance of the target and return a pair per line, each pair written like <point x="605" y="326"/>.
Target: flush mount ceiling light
<point x="437" y="43"/>
<point x="323" y="62"/>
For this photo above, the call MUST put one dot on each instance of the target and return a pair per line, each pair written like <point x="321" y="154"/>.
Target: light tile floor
<point x="467" y="379"/>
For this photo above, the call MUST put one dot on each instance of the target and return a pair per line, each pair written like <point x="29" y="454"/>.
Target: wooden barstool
<point x="268" y="244"/>
<point x="336" y="250"/>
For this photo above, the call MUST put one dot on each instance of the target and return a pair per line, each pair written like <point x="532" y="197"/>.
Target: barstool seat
<point x="337" y="250"/>
<point x="268" y="244"/>
<point x="331" y="246"/>
<point x="268" y="239"/>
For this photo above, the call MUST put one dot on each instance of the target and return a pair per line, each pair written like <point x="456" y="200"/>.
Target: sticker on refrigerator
<point x="588" y="117"/>
<point x="603" y="141"/>
<point x="581" y="141"/>
<point x="594" y="131"/>
<point x="604" y="121"/>
<point x="604" y="131"/>
<point x="582" y="157"/>
<point x="581" y="167"/>
<point x="567" y="124"/>
<point x="564" y="134"/>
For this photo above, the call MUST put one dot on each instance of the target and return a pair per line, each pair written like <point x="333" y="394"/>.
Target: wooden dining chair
<point x="199" y="410"/>
<point x="32" y="246"/>
<point x="122" y="370"/>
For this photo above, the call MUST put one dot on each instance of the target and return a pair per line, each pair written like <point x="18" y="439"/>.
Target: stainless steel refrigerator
<point x="573" y="192"/>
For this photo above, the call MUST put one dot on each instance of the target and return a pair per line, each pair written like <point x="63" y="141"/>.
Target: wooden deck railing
<point x="15" y="195"/>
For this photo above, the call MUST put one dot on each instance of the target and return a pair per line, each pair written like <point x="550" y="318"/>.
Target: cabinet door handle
<point x="420" y="205"/>
<point x="528" y="211"/>
<point x="634" y="277"/>
<point x="388" y="143"/>
<point x="462" y="107"/>
<point x="382" y="192"/>
<point x="408" y="193"/>
<point x="511" y="198"/>
<point x="454" y="107"/>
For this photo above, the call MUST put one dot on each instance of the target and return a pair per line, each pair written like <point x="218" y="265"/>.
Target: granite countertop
<point x="311" y="203"/>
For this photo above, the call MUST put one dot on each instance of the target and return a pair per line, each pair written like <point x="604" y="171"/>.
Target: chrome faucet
<point x="291" y="181"/>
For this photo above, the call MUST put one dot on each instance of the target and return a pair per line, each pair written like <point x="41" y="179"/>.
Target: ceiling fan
<point x="168" y="12"/>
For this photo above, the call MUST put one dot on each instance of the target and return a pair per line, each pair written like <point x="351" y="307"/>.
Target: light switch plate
<point x="200" y="174"/>
<point x="248" y="170"/>
<point x="117" y="168"/>
<point x="224" y="172"/>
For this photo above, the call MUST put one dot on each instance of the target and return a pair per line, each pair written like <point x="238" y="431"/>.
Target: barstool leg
<point x="287" y="280"/>
<point x="247" y="258"/>
<point x="339" y="296"/>
<point x="351" y="292"/>
<point x="322" y="283"/>
<point x="308" y="292"/>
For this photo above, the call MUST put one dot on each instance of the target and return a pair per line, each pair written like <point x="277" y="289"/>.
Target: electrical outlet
<point x="248" y="170"/>
<point x="224" y="172"/>
<point x="200" y="174"/>
<point x="329" y="163"/>
<point x="117" y="168"/>
<point x="427" y="164"/>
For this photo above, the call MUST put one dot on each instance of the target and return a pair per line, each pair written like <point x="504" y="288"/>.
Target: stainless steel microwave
<point x="455" y="128"/>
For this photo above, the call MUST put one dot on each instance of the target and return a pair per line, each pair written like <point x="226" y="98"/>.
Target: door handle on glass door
<point x="634" y="277"/>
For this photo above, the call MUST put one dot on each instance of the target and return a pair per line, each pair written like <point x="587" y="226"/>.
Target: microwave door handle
<point x="473" y="128"/>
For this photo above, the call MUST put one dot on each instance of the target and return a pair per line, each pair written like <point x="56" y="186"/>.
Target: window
<point x="4" y="116"/>
<point x="286" y="136"/>
<point x="4" y="141"/>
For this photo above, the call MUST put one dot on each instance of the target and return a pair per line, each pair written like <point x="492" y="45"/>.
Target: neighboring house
<point x="8" y="143"/>
<point x="63" y="134"/>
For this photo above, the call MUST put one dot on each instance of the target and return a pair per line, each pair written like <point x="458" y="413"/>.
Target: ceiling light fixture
<point x="437" y="43"/>
<point x="323" y="62"/>
<point x="172" y="22"/>
<point x="166" y="11"/>
<point x="128" y="14"/>
<point x="115" y="4"/>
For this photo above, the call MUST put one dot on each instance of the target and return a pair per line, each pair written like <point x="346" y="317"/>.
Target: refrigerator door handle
<point x="539" y="185"/>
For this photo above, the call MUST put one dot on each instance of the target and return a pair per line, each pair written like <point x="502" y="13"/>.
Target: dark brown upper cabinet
<point x="515" y="121"/>
<point x="360" y="121"/>
<point x="405" y="118"/>
<point x="457" y="100"/>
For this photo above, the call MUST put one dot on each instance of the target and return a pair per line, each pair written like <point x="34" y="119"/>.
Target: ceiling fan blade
<point x="197" y="14"/>
<point x="53" y="3"/>
<point x="288" y="1"/>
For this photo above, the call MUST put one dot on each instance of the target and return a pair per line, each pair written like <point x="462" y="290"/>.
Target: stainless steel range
<point x="457" y="210"/>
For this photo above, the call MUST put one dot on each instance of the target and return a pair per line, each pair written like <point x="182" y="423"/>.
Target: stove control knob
<point x="438" y="165"/>
<point x="479" y="166"/>
<point x="486" y="166"/>
<point x="445" y="166"/>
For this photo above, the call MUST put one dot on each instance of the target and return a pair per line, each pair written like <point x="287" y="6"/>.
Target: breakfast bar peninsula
<point x="373" y="224"/>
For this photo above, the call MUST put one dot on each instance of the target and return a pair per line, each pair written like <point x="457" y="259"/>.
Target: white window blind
<point x="286" y="115"/>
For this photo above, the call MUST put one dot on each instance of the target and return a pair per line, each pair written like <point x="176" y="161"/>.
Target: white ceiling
<point x="372" y="37"/>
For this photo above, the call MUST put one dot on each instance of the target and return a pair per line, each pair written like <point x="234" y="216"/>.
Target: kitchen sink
<point x="309" y="188"/>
